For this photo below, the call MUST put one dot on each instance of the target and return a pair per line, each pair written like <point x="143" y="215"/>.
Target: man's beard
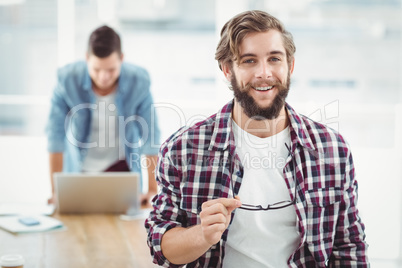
<point x="251" y="108"/>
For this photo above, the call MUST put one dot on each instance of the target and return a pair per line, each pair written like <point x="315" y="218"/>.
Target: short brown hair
<point x="234" y="31"/>
<point x="103" y="41"/>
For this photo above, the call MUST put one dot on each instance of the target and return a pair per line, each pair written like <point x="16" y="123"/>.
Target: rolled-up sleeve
<point x="147" y="111"/>
<point x="350" y="248"/>
<point x="166" y="213"/>
<point x="55" y="129"/>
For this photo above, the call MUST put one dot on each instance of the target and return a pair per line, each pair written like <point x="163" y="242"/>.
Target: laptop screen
<point x="107" y="192"/>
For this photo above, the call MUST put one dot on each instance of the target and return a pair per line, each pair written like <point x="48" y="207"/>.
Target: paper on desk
<point x="25" y="208"/>
<point x="11" y="224"/>
<point x="141" y="214"/>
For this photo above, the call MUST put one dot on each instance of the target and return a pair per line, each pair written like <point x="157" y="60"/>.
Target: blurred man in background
<point x="101" y="117"/>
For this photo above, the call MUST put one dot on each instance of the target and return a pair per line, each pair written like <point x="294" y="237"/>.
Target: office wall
<point x="347" y="75"/>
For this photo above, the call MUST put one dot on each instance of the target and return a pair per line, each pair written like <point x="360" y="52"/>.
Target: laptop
<point x="106" y="192"/>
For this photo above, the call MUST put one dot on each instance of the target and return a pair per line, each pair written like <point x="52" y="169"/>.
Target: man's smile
<point x="263" y="88"/>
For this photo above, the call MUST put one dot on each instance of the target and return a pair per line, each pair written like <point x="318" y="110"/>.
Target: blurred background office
<point x="347" y="75"/>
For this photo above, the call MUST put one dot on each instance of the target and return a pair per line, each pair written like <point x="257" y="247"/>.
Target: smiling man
<point x="257" y="184"/>
<point x="101" y="116"/>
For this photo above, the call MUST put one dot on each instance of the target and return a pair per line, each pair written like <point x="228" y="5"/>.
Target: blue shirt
<point x="68" y="128"/>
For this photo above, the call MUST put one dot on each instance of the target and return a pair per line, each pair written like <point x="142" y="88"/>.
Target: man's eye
<point x="275" y="59"/>
<point x="249" y="61"/>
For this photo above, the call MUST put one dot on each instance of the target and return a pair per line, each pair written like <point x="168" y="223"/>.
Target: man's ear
<point x="227" y="70"/>
<point x="121" y="56"/>
<point x="292" y="65"/>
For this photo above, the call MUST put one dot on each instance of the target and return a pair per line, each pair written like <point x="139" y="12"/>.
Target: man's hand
<point x="55" y="165"/>
<point x="183" y="245"/>
<point x="145" y="199"/>
<point x="52" y="200"/>
<point x="215" y="218"/>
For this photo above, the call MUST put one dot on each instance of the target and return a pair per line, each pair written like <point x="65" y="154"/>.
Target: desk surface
<point x="90" y="241"/>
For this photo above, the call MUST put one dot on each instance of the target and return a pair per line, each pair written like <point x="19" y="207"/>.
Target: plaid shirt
<point x="197" y="163"/>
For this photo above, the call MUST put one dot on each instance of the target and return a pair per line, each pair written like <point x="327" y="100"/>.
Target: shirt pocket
<point x="323" y="197"/>
<point x="322" y="209"/>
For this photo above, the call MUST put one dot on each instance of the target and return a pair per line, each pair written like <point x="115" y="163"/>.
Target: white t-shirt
<point x="262" y="238"/>
<point x="105" y="132"/>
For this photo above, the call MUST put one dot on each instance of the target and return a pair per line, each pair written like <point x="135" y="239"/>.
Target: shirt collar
<point x="222" y="135"/>
<point x="87" y="83"/>
<point x="298" y="132"/>
<point x="222" y="129"/>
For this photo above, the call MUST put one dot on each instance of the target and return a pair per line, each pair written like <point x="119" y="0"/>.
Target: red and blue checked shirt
<point x="197" y="163"/>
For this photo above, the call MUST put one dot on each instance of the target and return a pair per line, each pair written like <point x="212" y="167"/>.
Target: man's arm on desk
<point x="55" y="165"/>
<point x="151" y="161"/>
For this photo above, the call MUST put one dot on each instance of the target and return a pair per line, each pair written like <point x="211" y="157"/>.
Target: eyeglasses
<point x="277" y="205"/>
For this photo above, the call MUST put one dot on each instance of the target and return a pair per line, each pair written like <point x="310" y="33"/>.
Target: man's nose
<point x="263" y="70"/>
<point x="104" y="75"/>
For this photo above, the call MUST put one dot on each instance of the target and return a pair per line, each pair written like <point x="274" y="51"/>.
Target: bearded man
<point x="257" y="184"/>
